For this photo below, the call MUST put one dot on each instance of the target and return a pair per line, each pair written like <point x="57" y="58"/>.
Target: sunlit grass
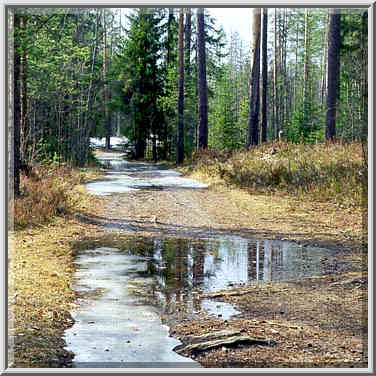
<point x="334" y="173"/>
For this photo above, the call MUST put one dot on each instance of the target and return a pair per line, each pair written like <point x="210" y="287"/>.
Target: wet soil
<point x="315" y="322"/>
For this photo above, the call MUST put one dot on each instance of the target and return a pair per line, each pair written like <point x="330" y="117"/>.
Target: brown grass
<point x="335" y="173"/>
<point x="48" y="192"/>
<point x="40" y="264"/>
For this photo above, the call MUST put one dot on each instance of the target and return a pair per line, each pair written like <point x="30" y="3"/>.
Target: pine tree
<point x="333" y="72"/>
<point x="264" y="74"/>
<point x="255" y="80"/>
<point x="202" y="84"/>
<point x="180" y="141"/>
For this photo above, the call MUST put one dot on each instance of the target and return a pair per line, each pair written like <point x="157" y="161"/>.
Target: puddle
<point x="113" y="326"/>
<point x="126" y="289"/>
<point x="124" y="177"/>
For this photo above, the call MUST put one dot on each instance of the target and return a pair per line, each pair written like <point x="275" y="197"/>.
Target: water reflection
<point x="181" y="267"/>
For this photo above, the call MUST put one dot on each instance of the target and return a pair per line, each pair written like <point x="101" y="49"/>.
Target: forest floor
<point x="316" y="322"/>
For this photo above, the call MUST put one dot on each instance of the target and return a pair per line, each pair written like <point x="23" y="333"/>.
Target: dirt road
<point x="318" y="322"/>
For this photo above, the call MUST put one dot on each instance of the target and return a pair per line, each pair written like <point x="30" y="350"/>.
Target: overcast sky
<point x="234" y="19"/>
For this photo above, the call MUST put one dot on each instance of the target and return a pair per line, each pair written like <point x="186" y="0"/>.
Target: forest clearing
<point x="177" y="201"/>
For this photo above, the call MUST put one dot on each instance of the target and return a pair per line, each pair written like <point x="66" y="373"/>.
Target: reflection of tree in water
<point x="180" y="266"/>
<point x="177" y="272"/>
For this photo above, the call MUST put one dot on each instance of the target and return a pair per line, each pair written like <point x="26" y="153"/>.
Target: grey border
<point x="238" y="4"/>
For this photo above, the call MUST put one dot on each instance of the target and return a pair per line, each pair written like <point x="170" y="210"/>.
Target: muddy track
<point x="329" y="336"/>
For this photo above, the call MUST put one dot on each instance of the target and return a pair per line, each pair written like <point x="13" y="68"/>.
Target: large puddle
<point x="124" y="176"/>
<point x="126" y="289"/>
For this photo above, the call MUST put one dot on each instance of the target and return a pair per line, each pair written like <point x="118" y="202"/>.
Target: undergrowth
<point x="333" y="172"/>
<point x="47" y="192"/>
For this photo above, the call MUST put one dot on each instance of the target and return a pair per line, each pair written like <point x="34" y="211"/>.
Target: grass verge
<point x="40" y="264"/>
<point x="333" y="173"/>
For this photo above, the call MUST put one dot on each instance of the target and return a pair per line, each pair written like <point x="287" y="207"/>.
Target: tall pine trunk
<point x="202" y="84"/>
<point x="188" y="77"/>
<point x="16" y="105"/>
<point x="24" y="130"/>
<point x="106" y="96"/>
<point x="333" y="72"/>
<point x="324" y="65"/>
<point x="275" y="76"/>
<point x="180" y="143"/>
<point x="255" y="80"/>
<point x="306" y="62"/>
<point x="264" y="74"/>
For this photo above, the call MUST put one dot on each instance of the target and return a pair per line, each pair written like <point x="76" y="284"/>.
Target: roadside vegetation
<point x="332" y="172"/>
<point x="40" y="266"/>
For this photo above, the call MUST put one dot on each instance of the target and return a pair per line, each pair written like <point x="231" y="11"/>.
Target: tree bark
<point x="188" y="77"/>
<point x="324" y="63"/>
<point x="255" y="80"/>
<point x="16" y="105"/>
<point x="333" y="72"/>
<point x="275" y="76"/>
<point x="180" y="143"/>
<point x="24" y="130"/>
<point x="106" y="96"/>
<point x="264" y="74"/>
<point x="306" y="58"/>
<point x="202" y="84"/>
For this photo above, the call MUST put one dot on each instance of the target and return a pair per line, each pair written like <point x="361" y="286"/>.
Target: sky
<point x="234" y="19"/>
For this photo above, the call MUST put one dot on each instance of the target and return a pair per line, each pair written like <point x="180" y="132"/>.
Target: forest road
<point x="151" y="199"/>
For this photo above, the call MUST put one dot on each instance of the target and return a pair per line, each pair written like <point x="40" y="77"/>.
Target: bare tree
<point x="255" y="80"/>
<point x="333" y="72"/>
<point x="202" y="84"/>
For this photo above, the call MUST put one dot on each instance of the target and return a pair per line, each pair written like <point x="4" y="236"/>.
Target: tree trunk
<point x="24" y="130"/>
<point x="275" y="76"/>
<point x="333" y="72"/>
<point x="106" y="96"/>
<point x="202" y="84"/>
<point x="264" y="73"/>
<point x="188" y="77"/>
<point x="180" y="143"/>
<point x="255" y="80"/>
<point x="324" y="63"/>
<point x="306" y="59"/>
<point x="16" y="105"/>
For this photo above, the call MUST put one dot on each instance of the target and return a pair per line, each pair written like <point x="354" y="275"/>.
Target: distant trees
<point x="75" y="68"/>
<point x="142" y="78"/>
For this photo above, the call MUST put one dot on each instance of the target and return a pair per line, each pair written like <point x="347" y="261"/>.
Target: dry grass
<point x="335" y="173"/>
<point x="48" y="192"/>
<point x="40" y="264"/>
